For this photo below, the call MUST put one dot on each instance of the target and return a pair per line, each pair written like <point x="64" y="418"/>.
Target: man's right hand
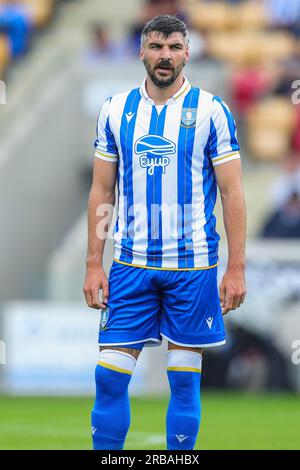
<point x="95" y="280"/>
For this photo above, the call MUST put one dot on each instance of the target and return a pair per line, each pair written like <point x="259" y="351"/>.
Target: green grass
<point x="229" y="421"/>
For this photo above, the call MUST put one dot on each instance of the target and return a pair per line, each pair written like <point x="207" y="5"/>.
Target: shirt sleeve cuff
<point x="219" y="159"/>
<point x="108" y="157"/>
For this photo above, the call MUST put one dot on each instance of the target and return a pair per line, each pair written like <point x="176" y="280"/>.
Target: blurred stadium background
<point x="59" y="60"/>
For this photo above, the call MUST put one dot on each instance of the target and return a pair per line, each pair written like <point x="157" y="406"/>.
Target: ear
<point x="187" y="54"/>
<point x="142" y="53"/>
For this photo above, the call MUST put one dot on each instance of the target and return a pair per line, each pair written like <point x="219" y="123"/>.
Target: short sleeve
<point x="224" y="145"/>
<point x="105" y="145"/>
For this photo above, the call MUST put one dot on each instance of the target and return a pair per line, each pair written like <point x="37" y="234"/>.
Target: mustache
<point x="164" y="64"/>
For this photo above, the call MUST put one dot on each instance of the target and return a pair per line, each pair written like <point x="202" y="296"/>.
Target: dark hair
<point x="165" y="25"/>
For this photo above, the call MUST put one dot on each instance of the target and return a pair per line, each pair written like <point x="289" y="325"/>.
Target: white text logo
<point x="2" y="353"/>
<point x="296" y="353"/>
<point x="2" y="92"/>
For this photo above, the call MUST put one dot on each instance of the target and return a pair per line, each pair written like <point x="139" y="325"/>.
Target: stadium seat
<point x="250" y="47"/>
<point x="276" y="110"/>
<point x="266" y="146"/>
<point x="234" y="47"/>
<point x="276" y="46"/>
<point x="269" y="127"/>
<point x="250" y="15"/>
<point x="222" y="16"/>
<point x="212" y="16"/>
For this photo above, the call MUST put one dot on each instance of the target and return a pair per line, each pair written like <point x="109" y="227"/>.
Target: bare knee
<point x="133" y="352"/>
<point x="172" y="346"/>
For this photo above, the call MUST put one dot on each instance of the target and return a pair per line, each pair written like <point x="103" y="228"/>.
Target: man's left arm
<point x="233" y="285"/>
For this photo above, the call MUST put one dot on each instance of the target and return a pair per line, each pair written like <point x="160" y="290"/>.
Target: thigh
<point x="133" y="307"/>
<point x="131" y="351"/>
<point x="191" y="311"/>
<point x="172" y="346"/>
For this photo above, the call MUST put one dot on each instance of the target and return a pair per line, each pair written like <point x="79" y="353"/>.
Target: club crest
<point x="188" y="117"/>
<point x="104" y="314"/>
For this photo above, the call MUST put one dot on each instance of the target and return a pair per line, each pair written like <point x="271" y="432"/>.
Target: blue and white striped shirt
<point x="166" y="181"/>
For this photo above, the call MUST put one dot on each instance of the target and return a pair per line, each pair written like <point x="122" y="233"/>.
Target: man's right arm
<point x="100" y="211"/>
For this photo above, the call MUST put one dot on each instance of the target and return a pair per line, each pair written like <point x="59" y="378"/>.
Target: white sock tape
<point x="184" y="358"/>
<point x="118" y="359"/>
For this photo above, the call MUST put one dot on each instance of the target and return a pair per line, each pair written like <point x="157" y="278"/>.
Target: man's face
<point x="164" y="58"/>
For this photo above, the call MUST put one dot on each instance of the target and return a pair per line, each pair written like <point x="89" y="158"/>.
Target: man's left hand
<point x="232" y="289"/>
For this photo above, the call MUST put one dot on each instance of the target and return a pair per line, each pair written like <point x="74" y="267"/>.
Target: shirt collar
<point x="181" y="93"/>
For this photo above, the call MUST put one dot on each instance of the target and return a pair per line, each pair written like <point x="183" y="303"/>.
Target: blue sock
<point x="184" y="411"/>
<point x="111" y="412"/>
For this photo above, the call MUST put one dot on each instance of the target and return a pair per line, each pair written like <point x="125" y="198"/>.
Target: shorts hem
<point x="154" y="342"/>
<point x="202" y="345"/>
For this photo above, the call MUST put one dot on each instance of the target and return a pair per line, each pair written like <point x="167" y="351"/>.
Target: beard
<point x="160" y="81"/>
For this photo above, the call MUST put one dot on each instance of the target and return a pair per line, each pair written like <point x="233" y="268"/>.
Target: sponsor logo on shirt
<point x="153" y="151"/>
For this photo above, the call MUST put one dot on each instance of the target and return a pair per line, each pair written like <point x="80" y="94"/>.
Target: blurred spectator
<point x="248" y="85"/>
<point x="104" y="47"/>
<point x="284" y="14"/>
<point x="149" y="10"/>
<point x="15" y="23"/>
<point x="288" y="71"/>
<point x="162" y="7"/>
<point x="296" y="135"/>
<point x="101" y="43"/>
<point x="284" y="222"/>
<point x="288" y="182"/>
<point x="249" y="361"/>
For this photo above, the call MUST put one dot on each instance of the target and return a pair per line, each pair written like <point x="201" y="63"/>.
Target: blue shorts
<point x="145" y="305"/>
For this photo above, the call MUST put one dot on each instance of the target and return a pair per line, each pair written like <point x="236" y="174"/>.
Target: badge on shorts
<point x="188" y="117"/>
<point x="104" y="314"/>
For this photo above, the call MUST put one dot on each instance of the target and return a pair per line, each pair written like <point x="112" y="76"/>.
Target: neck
<point x="162" y="95"/>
